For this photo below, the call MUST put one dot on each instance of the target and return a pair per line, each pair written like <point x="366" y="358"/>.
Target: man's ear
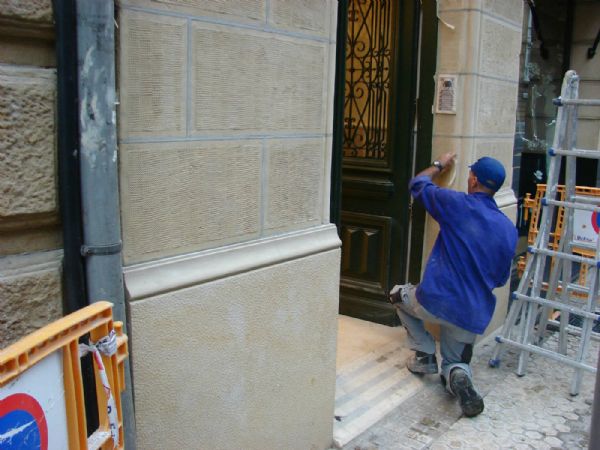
<point x="473" y="183"/>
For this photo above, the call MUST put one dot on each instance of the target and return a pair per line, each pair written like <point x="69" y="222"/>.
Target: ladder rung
<point x="580" y="152"/>
<point x="542" y="351"/>
<point x="580" y="101"/>
<point x="582" y="206"/>
<point x="557" y="305"/>
<point x="569" y="256"/>
<point x="578" y="288"/>
<point x="588" y="200"/>
<point x="557" y="240"/>
<point x="579" y="244"/>
<point x="576" y="331"/>
<point x="570" y="287"/>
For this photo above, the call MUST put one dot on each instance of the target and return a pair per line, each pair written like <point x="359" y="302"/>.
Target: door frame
<point x="422" y="98"/>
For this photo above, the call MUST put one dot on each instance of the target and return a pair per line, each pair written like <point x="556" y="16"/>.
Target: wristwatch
<point x="438" y="165"/>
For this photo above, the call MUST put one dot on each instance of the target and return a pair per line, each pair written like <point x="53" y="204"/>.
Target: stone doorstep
<point x="371" y="387"/>
<point x="425" y="416"/>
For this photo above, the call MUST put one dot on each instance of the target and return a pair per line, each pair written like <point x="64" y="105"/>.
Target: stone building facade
<point x="585" y="32"/>
<point x="479" y="43"/>
<point x="231" y="265"/>
<point x="30" y="233"/>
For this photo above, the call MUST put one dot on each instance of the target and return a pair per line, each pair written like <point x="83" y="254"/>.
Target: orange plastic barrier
<point x="44" y="411"/>
<point x="533" y="206"/>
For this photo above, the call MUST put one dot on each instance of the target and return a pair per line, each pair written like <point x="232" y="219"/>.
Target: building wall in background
<point x="585" y="29"/>
<point x="544" y="60"/>
<point x="232" y="267"/>
<point x="30" y="236"/>
<point x="479" y="42"/>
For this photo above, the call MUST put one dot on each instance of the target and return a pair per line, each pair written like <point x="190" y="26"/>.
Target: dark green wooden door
<point x="377" y="150"/>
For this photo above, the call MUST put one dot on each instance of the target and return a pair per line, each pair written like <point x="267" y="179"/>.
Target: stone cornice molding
<point x="171" y="274"/>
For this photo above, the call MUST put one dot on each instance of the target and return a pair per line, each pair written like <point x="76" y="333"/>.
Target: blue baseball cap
<point x="489" y="172"/>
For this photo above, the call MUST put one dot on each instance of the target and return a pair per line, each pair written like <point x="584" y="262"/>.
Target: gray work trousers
<point x="456" y="344"/>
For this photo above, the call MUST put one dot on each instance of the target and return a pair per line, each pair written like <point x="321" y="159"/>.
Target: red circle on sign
<point x="25" y="402"/>
<point x="595" y="221"/>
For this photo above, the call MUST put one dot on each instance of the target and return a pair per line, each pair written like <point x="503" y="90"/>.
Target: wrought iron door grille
<point x="367" y="89"/>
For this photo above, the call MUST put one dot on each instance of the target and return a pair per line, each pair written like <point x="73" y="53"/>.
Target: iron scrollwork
<point x="367" y="89"/>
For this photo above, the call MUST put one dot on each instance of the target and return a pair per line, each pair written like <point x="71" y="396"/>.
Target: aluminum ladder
<point x="526" y="324"/>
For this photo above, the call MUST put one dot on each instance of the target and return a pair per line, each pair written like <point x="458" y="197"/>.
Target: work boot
<point x="395" y="295"/>
<point x="470" y="401"/>
<point x="422" y="363"/>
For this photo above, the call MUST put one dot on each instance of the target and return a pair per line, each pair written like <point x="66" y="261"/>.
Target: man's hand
<point x="447" y="160"/>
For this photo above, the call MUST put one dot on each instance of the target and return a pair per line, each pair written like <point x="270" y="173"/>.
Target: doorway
<point x="386" y="53"/>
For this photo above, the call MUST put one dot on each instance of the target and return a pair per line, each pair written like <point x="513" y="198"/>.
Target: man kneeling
<point x="471" y="256"/>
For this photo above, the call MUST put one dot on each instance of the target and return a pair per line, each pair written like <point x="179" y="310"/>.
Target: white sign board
<point x="446" y="94"/>
<point x="585" y="227"/>
<point x="32" y="408"/>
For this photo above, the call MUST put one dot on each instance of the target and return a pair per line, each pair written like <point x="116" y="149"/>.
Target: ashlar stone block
<point x="22" y="51"/>
<point x="295" y="183"/>
<point x="187" y="196"/>
<point x="589" y="90"/>
<point x="27" y="141"/>
<point x="254" y="82"/>
<point x="586" y="21"/>
<point x="511" y="10"/>
<point x="30" y="298"/>
<point x="446" y="5"/>
<point x="587" y="69"/>
<point x="496" y="107"/>
<point x="588" y="134"/>
<point x="19" y="238"/>
<point x="457" y="49"/>
<point x="152" y="74"/>
<point x="307" y="16"/>
<point x="29" y="10"/>
<point x="234" y="10"/>
<point x="500" y="49"/>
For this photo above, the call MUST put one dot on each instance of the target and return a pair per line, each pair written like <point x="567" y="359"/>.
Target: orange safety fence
<point x="41" y="385"/>
<point x="532" y="206"/>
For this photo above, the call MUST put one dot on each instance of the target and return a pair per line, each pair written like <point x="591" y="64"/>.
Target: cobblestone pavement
<point x="535" y="411"/>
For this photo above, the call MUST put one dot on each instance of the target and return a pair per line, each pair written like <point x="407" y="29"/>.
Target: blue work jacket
<point x="471" y="256"/>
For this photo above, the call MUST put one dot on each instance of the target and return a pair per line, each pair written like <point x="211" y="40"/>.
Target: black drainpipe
<point x="69" y="191"/>
<point x="74" y="293"/>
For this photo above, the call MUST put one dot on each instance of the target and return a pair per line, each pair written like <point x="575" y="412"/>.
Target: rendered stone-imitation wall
<point x="294" y="184"/>
<point x="231" y="266"/>
<point x="186" y="196"/>
<point x="233" y="10"/>
<point x="30" y="238"/>
<point x="310" y="16"/>
<point x="153" y="53"/>
<point x="482" y="50"/>
<point x="275" y="91"/>
<point x="208" y="73"/>
<point x="240" y="362"/>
